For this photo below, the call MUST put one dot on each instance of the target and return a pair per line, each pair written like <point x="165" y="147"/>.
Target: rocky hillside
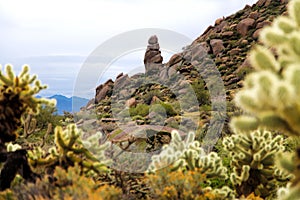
<point x="229" y="40"/>
<point x="137" y="100"/>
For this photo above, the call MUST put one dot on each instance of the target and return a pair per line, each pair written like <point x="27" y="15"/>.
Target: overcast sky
<point x="54" y="37"/>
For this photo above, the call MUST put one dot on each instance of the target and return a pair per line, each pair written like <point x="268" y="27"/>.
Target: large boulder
<point x="217" y="46"/>
<point x="121" y="81"/>
<point x="104" y="90"/>
<point x="244" y="26"/>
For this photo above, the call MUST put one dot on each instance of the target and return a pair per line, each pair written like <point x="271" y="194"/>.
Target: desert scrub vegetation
<point x="22" y="167"/>
<point x="257" y="161"/>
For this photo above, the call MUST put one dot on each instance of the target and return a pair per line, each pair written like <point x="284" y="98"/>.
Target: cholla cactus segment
<point x="16" y="98"/>
<point x="188" y="155"/>
<point x="252" y="160"/>
<point x="222" y="193"/>
<point x="10" y="147"/>
<point x="271" y="94"/>
<point x="288" y="193"/>
<point x="72" y="148"/>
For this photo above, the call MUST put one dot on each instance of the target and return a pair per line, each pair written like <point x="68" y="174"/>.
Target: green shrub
<point x="147" y="98"/>
<point x="201" y="92"/>
<point x="170" y="111"/>
<point x="140" y="109"/>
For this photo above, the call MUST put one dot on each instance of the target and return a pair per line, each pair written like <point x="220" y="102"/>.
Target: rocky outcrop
<point x="104" y="90"/>
<point x="153" y="59"/>
<point x="121" y="81"/>
<point x="228" y="41"/>
<point x="244" y="25"/>
<point x="217" y="46"/>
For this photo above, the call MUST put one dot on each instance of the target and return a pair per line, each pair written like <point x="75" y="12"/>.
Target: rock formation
<point x="104" y="90"/>
<point x="153" y="59"/>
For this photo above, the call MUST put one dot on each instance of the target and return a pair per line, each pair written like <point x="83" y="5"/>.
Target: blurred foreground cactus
<point x="71" y="147"/>
<point x="271" y="94"/>
<point x="183" y="170"/>
<point x="17" y="98"/>
<point x="68" y="184"/>
<point x="188" y="155"/>
<point x="253" y="163"/>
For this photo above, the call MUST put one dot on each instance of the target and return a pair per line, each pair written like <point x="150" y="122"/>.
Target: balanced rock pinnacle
<point x="153" y="59"/>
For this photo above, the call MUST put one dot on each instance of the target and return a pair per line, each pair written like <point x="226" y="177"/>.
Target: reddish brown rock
<point x="227" y="33"/>
<point x="261" y="3"/>
<point x="103" y="90"/>
<point x="254" y="15"/>
<point x="121" y="81"/>
<point x="217" y="46"/>
<point x="155" y="100"/>
<point x="176" y="58"/>
<point x="262" y="24"/>
<point x="256" y="33"/>
<point x="131" y="102"/>
<point x="234" y="51"/>
<point x="219" y="20"/>
<point x="268" y="2"/>
<point x="244" y="26"/>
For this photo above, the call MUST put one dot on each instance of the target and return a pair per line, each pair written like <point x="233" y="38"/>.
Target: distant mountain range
<point x="69" y="104"/>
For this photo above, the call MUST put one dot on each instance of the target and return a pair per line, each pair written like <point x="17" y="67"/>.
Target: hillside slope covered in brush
<point x="135" y="140"/>
<point x="225" y="43"/>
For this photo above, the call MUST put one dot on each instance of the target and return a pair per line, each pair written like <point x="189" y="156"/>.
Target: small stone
<point x="153" y="46"/>
<point x="234" y="51"/>
<point x="218" y="21"/>
<point x="244" y="42"/>
<point x="153" y="40"/>
<point x="261" y="3"/>
<point x="256" y="33"/>
<point x="227" y="33"/>
<point x="131" y="102"/>
<point x="119" y="75"/>
<point x="254" y="15"/>
<point x="262" y="24"/>
<point x="268" y="2"/>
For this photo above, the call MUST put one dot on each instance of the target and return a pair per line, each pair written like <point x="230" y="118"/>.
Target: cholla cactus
<point x="188" y="155"/>
<point x="224" y="193"/>
<point x="252" y="160"/>
<point x="12" y="147"/>
<point x="16" y="98"/>
<point x="72" y="148"/>
<point x="271" y="94"/>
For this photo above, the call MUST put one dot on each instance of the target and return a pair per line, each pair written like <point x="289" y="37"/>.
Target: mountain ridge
<point x="68" y="104"/>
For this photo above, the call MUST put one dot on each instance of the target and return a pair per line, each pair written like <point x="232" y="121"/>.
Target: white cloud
<point x="37" y="30"/>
